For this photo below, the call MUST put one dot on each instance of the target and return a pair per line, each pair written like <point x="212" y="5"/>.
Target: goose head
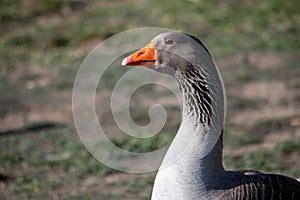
<point x="169" y="53"/>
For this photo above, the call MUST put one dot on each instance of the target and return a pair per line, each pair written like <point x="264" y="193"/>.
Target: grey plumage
<point x="199" y="172"/>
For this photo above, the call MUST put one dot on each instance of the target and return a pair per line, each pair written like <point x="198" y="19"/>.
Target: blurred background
<point x="42" y="44"/>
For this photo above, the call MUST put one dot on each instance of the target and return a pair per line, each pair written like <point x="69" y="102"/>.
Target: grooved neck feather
<point x="194" y="172"/>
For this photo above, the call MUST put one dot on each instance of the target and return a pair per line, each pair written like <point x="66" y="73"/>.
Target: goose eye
<point x="168" y="41"/>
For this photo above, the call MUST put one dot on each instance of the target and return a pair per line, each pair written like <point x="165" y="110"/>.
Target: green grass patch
<point x="77" y="196"/>
<point x="269" y="125"/>
<point x="236" y="137"/>
<point x="226" y="28"/>
<point x="269" y="161"/>
<point x="290" y="146"/>
<point x="142" y="145"/>
<point x="25" y="185"/>
<point x="239" y="104"/>
<point x="9" y="159"/>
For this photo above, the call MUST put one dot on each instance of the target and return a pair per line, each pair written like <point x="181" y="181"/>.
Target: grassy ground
<point x="255" y="43"/>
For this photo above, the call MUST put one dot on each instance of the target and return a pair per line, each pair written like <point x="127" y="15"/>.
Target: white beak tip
<point x="124" y="62"/>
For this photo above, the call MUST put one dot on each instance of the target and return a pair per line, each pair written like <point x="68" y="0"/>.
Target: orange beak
<point x="143" y="57"/>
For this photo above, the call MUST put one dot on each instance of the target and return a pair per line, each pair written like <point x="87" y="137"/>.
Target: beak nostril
<point x="140" y="53"/>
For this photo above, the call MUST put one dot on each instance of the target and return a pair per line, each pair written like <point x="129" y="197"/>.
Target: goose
<point x="199" y="173"/>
